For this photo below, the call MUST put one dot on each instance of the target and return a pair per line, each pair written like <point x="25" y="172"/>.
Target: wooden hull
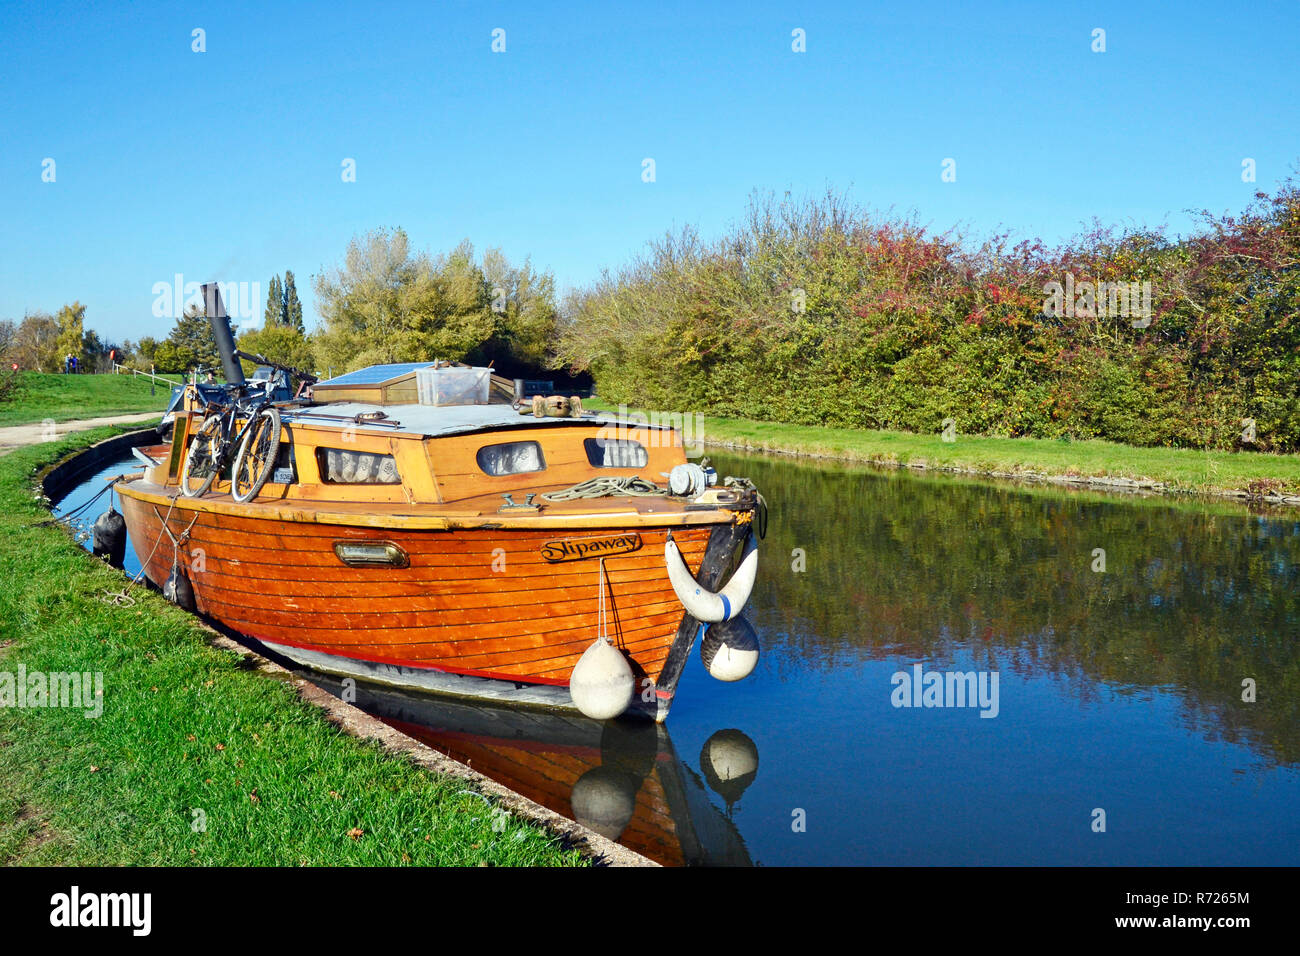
<point x="477" y="612"/>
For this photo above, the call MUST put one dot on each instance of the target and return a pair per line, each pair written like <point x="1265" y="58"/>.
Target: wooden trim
<point x="297" y="511"/>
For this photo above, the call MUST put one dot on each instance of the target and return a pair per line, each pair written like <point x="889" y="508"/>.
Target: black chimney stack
<point x="220" y="323"/>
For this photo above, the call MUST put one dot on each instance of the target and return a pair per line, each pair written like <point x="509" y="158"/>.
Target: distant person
<point x="212" y="379"/>
<point x="67" y="364"/>
<point x="73" y="360"/>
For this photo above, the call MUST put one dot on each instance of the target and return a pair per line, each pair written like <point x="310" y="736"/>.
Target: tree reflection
<point x="1194" y="598"/>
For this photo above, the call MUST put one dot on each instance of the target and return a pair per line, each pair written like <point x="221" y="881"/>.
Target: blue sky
<point x="226" y="164"/>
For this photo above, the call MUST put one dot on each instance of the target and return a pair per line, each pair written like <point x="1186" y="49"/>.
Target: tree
<point x="140" y="355"/>
<point x="523" y="312"/>
<point x="36" y="343"/>
<point x="282" y="343"/>
<point x="282" y="305"/>
<point x="292" y="311"/>
<point x="71" y="341"/>
<point x="127" y="352"/>
<point x="8" y="333"/>
<point x="386" y="305"/>
<point x="274" y="304"/>
<point x="190" y="344"/>
<point x="448" y="312"/>
<point x="94" y="352"/>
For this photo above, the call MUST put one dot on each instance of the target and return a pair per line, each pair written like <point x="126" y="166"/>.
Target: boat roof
<point x="437" y="420"/>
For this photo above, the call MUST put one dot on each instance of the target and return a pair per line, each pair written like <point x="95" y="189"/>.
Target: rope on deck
<point x="635" y="486"/>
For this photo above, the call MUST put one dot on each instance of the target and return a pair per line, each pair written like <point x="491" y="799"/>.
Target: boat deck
<point x="482" y="511"/>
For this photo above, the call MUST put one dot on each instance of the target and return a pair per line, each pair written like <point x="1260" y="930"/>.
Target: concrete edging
<point x="55" y="479"/>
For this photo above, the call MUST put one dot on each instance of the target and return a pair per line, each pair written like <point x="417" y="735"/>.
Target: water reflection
<point x="1193" y="600"/>
<point x="621" y="778"/>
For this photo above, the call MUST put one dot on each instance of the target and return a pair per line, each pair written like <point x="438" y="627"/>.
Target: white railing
<point x="118" y="369"/>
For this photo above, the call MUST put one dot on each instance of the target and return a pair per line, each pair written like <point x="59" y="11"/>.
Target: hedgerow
<point x="817" y="312"/>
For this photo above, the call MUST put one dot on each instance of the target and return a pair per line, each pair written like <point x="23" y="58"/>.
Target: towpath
<point x="16" y="436"/>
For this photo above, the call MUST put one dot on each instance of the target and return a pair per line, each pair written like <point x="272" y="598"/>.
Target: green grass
<point x="1178" y="469"/>
<point x="187" y="726"/>
<point x="42" y="395"/>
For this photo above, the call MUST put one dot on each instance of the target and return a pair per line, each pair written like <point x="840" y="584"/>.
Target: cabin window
<point x="615" y="453"/>
<point x="511" y="458"/>
<point x="339" y="467"/>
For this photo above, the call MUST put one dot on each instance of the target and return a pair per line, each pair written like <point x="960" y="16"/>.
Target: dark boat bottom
<point x="552" y="697"/>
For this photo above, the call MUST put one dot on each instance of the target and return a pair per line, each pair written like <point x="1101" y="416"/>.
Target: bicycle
<point x="258" y="441"/>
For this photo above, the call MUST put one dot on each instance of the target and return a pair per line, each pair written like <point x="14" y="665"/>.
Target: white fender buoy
<point x="703" y="604"/>
<point x="729" y="649"/>
<point x="602" y="684"/>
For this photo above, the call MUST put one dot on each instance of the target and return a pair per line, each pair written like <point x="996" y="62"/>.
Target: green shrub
<point x="813" y="312"/>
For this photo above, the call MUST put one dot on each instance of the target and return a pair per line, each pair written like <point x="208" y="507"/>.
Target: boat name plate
<point x="577" y="549"/>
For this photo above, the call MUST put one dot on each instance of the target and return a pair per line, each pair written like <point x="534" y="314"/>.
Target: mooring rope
<point x="107" y="489"/>
<point x="602" y="624"/>
<point x="743" y="485"/>
<point x="77" y="524"/>
<point x="177" y="540"/>
<point x="80" y="525"/>
<point x="123" y="598"/>
<point x="157" y="541"/>
<point x="120" y="598"/>
<point x="605" y="487"/>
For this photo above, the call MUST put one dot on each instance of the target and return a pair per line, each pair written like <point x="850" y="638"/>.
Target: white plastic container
<point x="453" y="385"/>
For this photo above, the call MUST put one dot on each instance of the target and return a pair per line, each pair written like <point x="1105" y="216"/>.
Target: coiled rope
<point x="638" y="487"/>
<point x="635" y="486"/>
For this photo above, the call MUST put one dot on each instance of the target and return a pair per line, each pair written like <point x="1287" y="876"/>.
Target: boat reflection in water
<point x="622" y="778"/>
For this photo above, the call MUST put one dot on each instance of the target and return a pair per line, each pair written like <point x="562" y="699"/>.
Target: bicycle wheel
<point x="203" y="459"/>
<point x="257" y="454"/>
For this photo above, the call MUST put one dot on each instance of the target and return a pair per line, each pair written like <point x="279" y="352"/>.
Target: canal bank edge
<point x="1097" y="482"/>
<point x="810" y="441"/>
<point x="1102" y="483"/>
<point x="53" y="479"/>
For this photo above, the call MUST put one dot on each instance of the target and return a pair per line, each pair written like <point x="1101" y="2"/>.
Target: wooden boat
<point x="414" y="544"/>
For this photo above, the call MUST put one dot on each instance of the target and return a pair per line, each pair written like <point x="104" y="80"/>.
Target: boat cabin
<point x="439" y="433"/>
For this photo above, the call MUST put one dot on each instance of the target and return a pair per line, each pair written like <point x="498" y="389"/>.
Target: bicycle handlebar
<point x="260" y="360"/>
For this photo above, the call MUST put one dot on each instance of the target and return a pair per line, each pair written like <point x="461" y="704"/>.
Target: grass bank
<point x="42" y="395"/>
<point x="196" y="758"/>
<point x="1169" y="469"/>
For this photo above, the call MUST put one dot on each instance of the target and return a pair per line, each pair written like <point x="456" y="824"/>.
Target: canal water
<point x="953" y="672"/>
